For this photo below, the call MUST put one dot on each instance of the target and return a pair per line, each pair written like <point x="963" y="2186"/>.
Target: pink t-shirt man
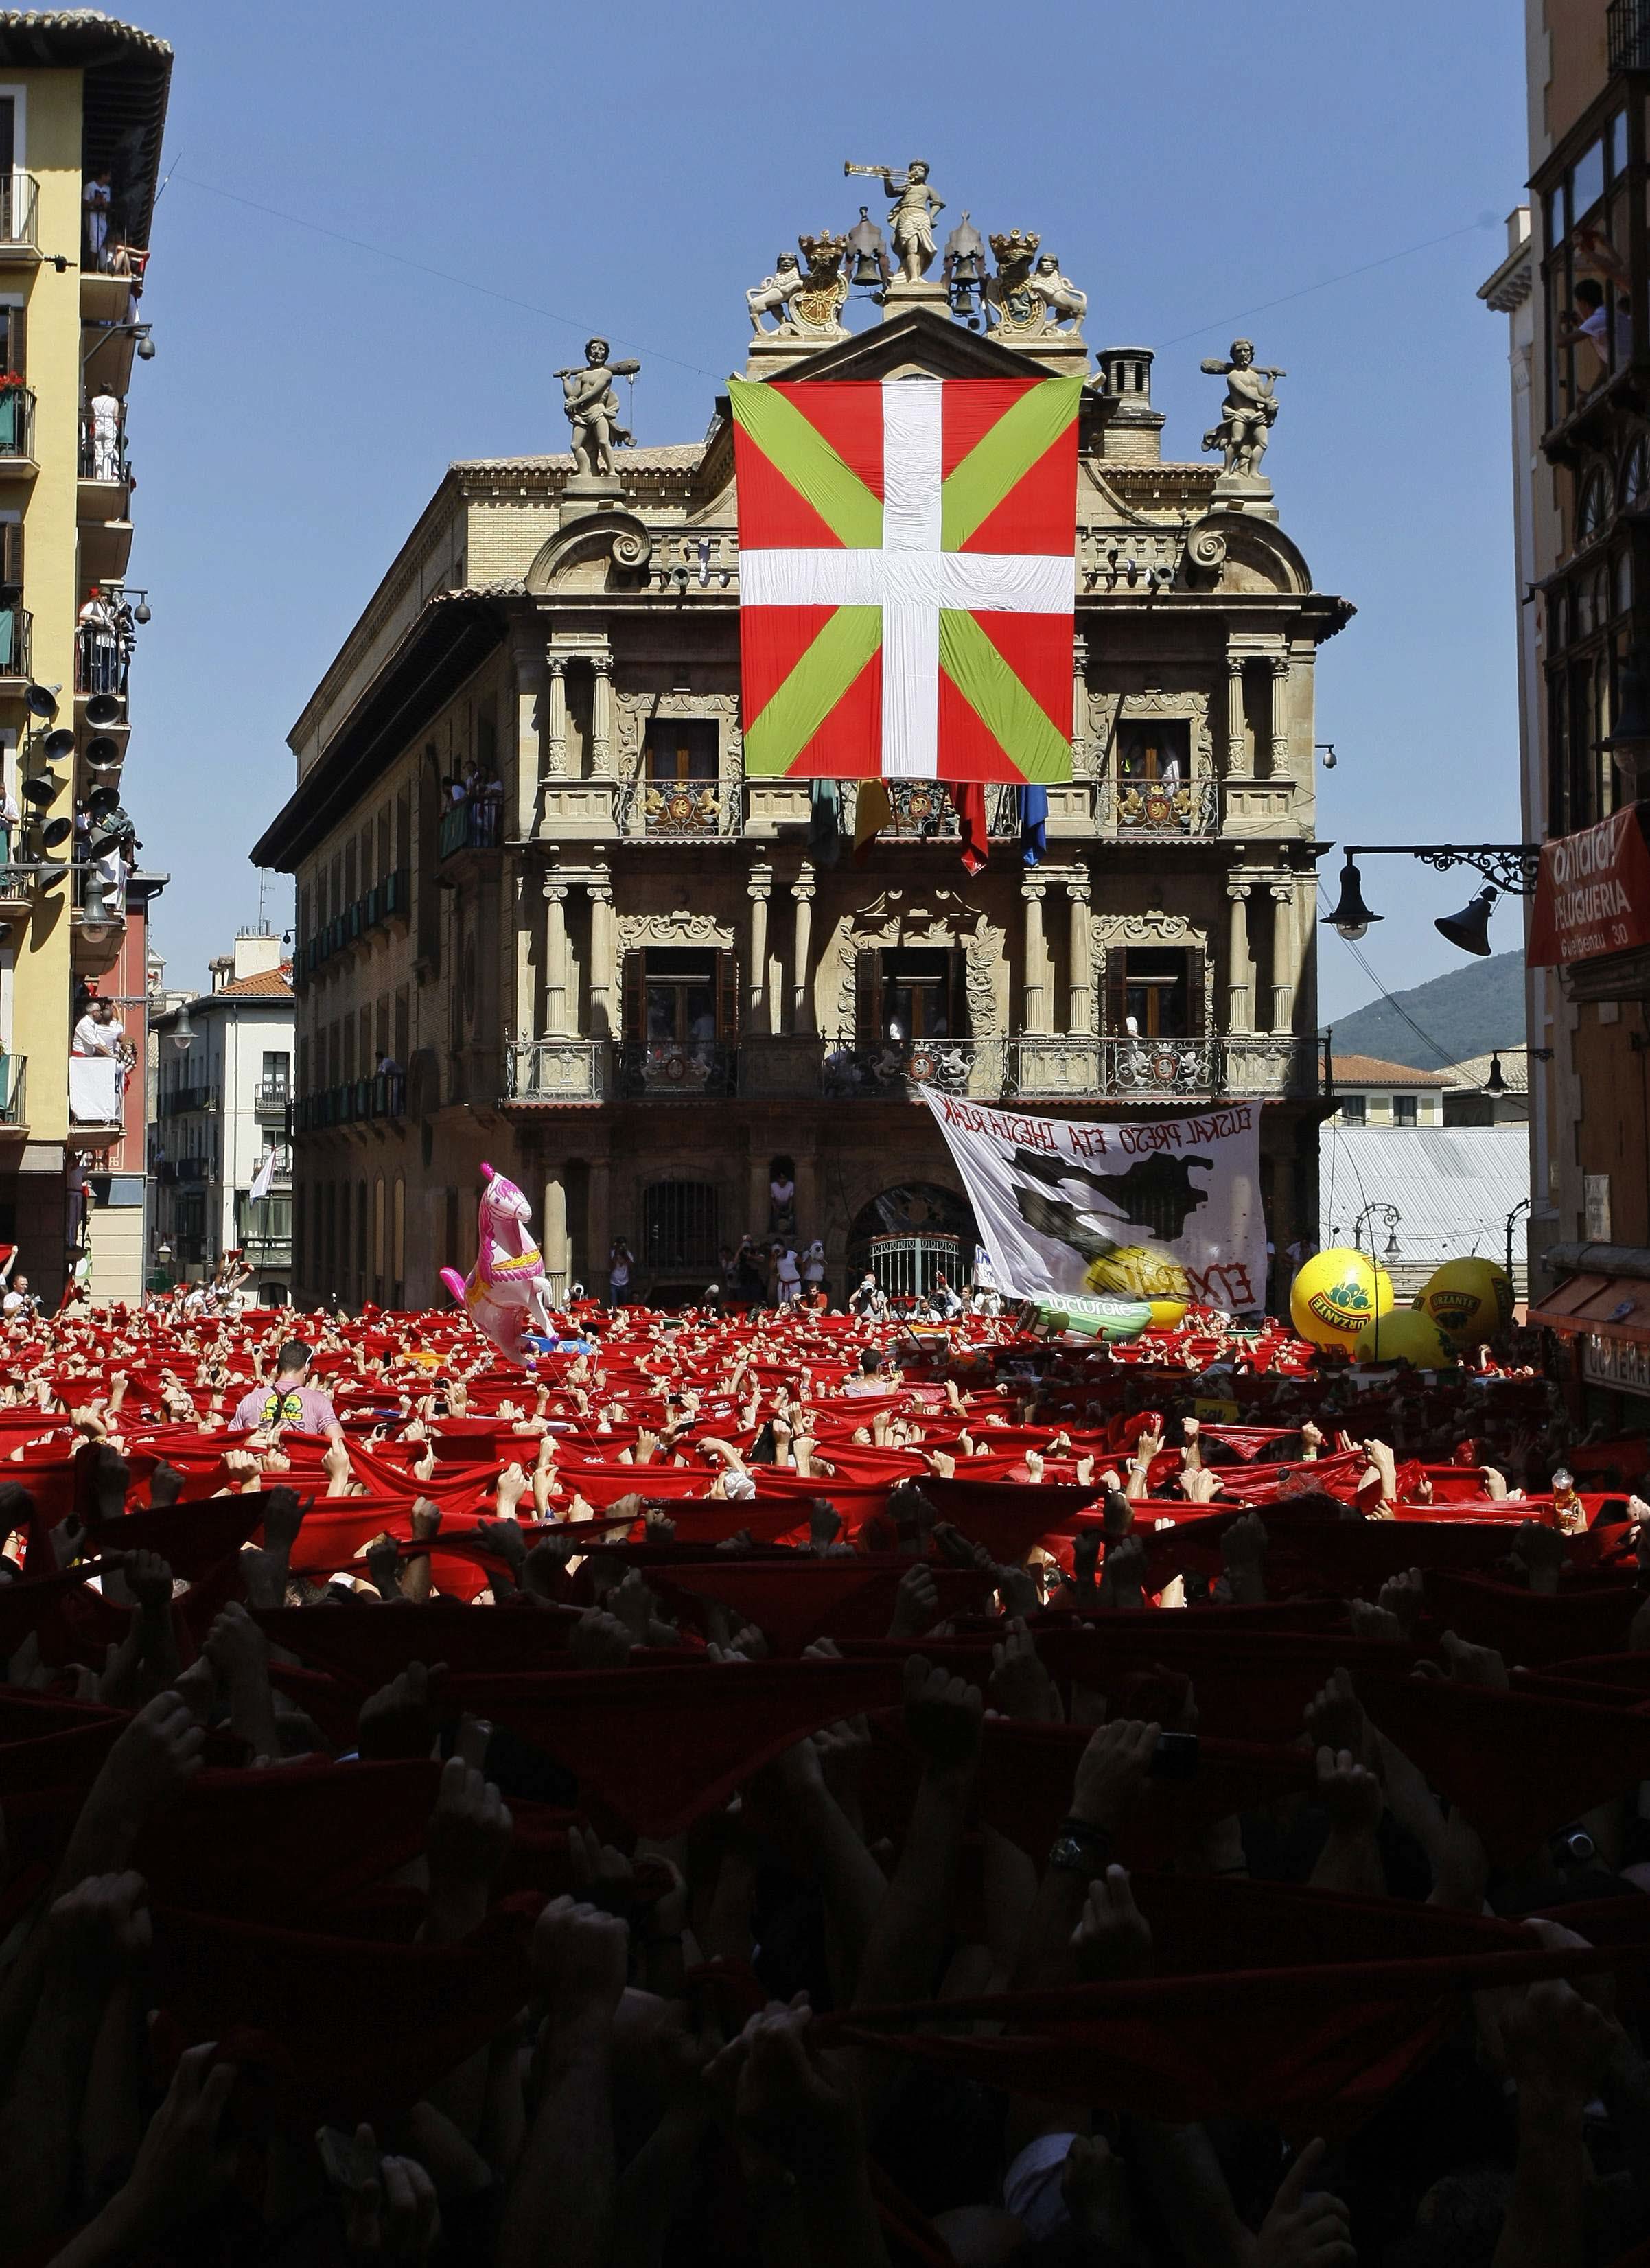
<point x="290" y="1401"/>
<point x="303" y="1406"/>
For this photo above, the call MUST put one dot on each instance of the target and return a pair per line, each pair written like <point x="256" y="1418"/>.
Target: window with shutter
<point x="868" y="995"/>
<point x="728" y="993"/>
<point x="1117" y="1008"/>
<point x="11" y="559"/>
<point x="632" y="1010"/>
<point x="1196" y="1016"/>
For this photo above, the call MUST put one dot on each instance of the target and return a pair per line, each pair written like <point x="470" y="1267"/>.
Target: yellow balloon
<point x="1468" y="1299"/>
<point x="1336" y="1294"/>
<point x="1406" y="1336"/>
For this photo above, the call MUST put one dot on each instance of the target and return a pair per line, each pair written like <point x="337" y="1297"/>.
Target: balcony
<point x="265" y="1252"/>
<point x="676" y="1072"/>
<point x="104" y="500"/>
<point x="19" y="207"/>
<point x="16" y="895"/>
<point x="183" y="1100"/>
<point x="1057" y="1068"/>
<point x="14" y="1107"/>
<point x="17" y="429"/>
<point x="1627" y="26"/>
<point x="686" y="807"/>
<point x="16" y="639"/>
<point x="270" y="1098"/>
<point x="1156" y="811"/>
<point x="476" y="824"/>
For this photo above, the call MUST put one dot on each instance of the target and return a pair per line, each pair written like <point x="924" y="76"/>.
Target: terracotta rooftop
<point x="267" y="984"/>
<point x="1369" y="1070"/>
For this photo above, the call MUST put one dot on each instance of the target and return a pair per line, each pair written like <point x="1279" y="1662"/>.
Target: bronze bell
<point x="870" y="258"/>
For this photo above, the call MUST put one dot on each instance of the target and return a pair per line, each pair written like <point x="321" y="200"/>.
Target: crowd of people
<point x="813" y="1789"/>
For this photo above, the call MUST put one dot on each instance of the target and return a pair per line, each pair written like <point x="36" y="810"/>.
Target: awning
<point x="1603" y="1307"/>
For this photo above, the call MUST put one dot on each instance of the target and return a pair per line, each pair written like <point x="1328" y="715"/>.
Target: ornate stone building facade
<point x="545" y="919"/>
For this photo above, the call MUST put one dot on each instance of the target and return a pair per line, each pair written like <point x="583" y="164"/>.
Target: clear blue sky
<point x="631" y="169"/>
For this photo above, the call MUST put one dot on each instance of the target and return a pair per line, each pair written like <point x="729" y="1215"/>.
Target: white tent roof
<point x="1453" y="1186"/>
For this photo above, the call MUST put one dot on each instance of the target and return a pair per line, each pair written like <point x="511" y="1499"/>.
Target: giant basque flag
<point x="906" y="577"/>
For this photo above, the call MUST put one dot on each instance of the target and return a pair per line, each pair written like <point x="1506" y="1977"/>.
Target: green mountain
<point x="1455" y="1017"/>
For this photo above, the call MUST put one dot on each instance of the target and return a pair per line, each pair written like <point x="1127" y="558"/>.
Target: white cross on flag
<point x="907" y="578"/>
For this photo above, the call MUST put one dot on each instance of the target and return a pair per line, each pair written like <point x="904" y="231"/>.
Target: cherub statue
<point x="1248" y="413"/>
<point x="593" y="409"/>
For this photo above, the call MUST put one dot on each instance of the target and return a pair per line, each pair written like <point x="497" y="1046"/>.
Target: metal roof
<point x="1453" y="1186"/>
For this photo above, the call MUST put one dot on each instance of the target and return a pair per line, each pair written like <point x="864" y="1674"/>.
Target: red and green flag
<point x="907" y="577"/>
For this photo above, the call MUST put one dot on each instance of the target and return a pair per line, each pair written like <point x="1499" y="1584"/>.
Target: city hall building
<point x="545" y="919"/>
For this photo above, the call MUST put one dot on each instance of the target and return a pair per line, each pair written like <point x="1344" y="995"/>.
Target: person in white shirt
<point x="99" y="1032"/>
<point x="789" y="1277"/>
<point x="97" y="197"/>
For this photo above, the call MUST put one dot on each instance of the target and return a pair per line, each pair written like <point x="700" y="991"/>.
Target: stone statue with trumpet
<point x="912" y="216"/>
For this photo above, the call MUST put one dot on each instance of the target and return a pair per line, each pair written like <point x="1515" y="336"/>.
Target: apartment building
<point x="83" y="102"/>
<point x="545" y="919"/>
<point x="223" y="1089"/>
<point x="1574" y="287"/>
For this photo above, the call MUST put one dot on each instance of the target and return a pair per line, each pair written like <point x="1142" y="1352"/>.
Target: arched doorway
<point x="910" y="1233"/>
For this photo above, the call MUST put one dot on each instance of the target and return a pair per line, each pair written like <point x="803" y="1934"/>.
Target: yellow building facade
<point x="82" y="107"/>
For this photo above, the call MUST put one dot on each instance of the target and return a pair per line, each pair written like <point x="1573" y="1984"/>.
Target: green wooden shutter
<point x="630" y="995"/>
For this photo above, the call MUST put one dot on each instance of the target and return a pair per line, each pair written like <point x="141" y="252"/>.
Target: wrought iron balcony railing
<point x="1059" y="1067"/>
<point x="20" y="204"/>
<point x="1627" y="28"/>
<point x="14" y="1077"/>
<point x="17" y="421"/>
<point x="476" y="824"/>
<point x="17" y="635"/>
<point x="1159" y="809"/>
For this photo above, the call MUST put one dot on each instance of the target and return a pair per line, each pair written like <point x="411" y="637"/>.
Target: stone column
<point x="1235" y="719"/>
<point x="1283" y="895"/>
<point x="757" y="1011"/>
<point x="601" y="718"/>
<point x="1238" y="970"/>
<point x="801" y="947"/>
<point x="1080" y="1016"/>
<point x="1280" y="724"/>
<point x="555" y="722"/>
<point x="555" y="1023"/>
<point x="1034" y="1015"/>
<point x="554" y="1243"/>
<point x="602" y="968"/>
<point x="530" y="706"/>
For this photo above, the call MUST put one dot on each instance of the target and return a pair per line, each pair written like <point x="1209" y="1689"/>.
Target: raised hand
<point x="1112" y="1770"/>
<point x="580" y="1958"/>
<point x="1305" y="2227"/>
<point x="398" y="1720"/>
<point x="1474" y="1665"/>
<point x="1020" y="1684"/>
<point x="1113" y="1939"/>
<point x="1349" y="1792"/>
<point x="942" y="1715"/>
<point x="916" y="1602"/>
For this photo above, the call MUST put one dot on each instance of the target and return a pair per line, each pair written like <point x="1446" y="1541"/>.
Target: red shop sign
<point x="1593" y="892"/>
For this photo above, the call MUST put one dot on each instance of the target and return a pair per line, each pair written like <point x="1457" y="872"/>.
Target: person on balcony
<point x="10" y="819"/>
<point x="98" y="196"/>
<point x="99" y="1032"/>
<point x="99" y="654"/>
<point x="103" y="413"/>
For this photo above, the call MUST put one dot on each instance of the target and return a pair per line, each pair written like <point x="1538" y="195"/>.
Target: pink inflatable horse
<point x="506" y="1291"/>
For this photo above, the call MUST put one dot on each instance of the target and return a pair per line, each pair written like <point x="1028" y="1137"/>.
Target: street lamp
<point x="181" y="1036"/>
<point x="1496" y="1084"/>
<point x="1392" y="1219"/>
<point x="1524" y="1204"/>
<point x="1510" y="867"/>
